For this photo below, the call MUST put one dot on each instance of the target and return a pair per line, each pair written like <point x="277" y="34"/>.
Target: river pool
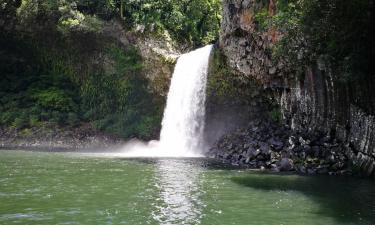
<point x="71" y="188"/>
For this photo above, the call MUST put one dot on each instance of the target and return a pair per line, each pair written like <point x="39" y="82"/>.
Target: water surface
<point x="69" y="188"/>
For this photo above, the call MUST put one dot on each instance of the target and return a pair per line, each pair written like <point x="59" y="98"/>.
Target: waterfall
<point x="183" y="122"/>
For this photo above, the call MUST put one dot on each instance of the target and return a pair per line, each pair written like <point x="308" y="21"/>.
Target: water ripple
<point x="179" y="199"/>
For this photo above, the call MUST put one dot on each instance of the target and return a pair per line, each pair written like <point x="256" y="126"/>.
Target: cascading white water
<point x="183" y="121"/>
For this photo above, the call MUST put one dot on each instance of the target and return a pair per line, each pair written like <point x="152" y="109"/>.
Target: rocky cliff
<point x="314" y="101"/>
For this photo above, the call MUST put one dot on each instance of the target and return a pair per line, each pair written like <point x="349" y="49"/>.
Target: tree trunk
<point x="122" y="9"/>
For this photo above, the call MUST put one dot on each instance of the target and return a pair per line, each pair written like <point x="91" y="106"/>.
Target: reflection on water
<point x="180" y="192"/>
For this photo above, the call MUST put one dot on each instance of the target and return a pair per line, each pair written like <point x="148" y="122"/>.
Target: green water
<point x="62" y="188"/>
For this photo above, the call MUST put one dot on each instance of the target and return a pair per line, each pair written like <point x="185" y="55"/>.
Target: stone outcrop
<point x="248" y="51"/>
<point x="316" y="101"/>
<point x="267" y="145"/>
<point x="230" y="105"/>
<point x="159" y="54"/>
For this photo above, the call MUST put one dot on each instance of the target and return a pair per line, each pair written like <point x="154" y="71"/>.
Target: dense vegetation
<point x="336" y="31"/>
<point x="59" y="69"/>
<point x="39" y="86"/>
<point x="191" y="22"/>
<point x="196" y="22"/>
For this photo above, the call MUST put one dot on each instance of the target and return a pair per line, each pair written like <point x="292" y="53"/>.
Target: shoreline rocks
<point x="57" y="139"/>
<point x="268" y="145"/>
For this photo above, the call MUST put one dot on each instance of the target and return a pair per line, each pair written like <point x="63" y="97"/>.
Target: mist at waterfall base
<point x="184" y="116"/>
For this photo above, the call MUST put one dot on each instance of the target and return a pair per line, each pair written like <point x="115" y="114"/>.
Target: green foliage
<point x="54" y="99"/>
<point x="31" y="10"/>
<point x="196" y="22"/>
<point x="275" y="114"/>
<point x="341" y="31"/>
<point x="8" y="10"/>
<point x="105" y="9"/>
<point x="35" y="86"/>
<point x="72" y="19"/>
<point x="119" y="103"/>
<point x="45" y="87"/>
<point x="21" y="120"/>
<point x="34" y="120"/>
<point x="8" y="117"/>
<point x="262" y="19"/>
<point x="193" y="22"/>
<point x="344" y="31"/>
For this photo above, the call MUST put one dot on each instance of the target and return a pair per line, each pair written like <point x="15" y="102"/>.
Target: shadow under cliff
<point x="345" y="199"/>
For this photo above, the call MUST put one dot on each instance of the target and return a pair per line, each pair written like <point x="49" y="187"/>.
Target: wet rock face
<point x="315" y="103"/>
<point x="320" y="103"/>
<point x="248" y="50"/>
<point x="266" y="145"/>
<point x="158" y="54"/>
